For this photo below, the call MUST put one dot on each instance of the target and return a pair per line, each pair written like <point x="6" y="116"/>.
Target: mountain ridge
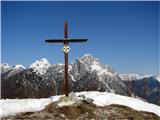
<point x="44" y="62"/>
<point x="86" y="73"/>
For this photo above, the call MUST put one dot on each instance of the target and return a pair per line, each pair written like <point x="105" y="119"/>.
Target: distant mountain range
<point x="146" y="87"/>
<point x="42" y="79"/>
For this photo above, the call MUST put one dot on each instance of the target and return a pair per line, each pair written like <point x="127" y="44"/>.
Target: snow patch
<point x="14" y="106"/>
<point x="104" y="99"/>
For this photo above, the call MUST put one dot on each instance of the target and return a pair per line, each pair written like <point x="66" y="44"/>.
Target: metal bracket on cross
<point x="66" y="48"/>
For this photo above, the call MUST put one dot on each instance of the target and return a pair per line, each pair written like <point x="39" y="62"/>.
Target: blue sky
<point x="121" y="34"/>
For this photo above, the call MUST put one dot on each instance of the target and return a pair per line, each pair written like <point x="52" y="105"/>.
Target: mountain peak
<point x="18" y="66"/>
<point x="88" y="59"/>
<point x="40" y="66"/>
<point x="89" y="56"/>
<point x="5" y="67"/>
<point x="92" y="63"/>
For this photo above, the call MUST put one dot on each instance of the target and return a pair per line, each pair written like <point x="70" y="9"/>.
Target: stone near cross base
<point x="65" y="101"/>
<point x="73" y="100"/>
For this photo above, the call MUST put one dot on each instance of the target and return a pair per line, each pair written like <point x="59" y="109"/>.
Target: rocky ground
<point x="84" y="110"/>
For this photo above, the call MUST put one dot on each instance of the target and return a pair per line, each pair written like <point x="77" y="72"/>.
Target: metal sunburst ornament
<point x="66" y="48"/>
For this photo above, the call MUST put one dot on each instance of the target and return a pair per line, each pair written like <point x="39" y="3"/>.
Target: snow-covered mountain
<point x="5" y="67"/>
<point x="40" y="66"/>
<point x="86" y="73"/>
<point x="92" y="64"/>
<point x="17" y="68"/>
<point x="90" y="73"/>
<point x="8" y="71"/>
<point x="146" y="87"/>
<point x="132" y="76"/>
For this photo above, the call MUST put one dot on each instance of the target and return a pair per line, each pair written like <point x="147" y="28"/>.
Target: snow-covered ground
<point x="104" y="99"/>
<point x="14" y="106"/>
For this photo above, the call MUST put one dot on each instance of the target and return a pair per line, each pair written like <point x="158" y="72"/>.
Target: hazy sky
<point x="121" y="34"/>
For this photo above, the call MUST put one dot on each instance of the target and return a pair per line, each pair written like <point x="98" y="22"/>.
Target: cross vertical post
<point x="66" y="59"/>
<point x="66" y="49"/>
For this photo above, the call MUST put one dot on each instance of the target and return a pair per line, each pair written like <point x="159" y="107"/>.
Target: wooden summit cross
<point x="65" y="49"/>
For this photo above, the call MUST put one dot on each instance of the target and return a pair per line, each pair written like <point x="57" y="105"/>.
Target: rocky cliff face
<point x="26" y="84"/>
<point x="87" y="74"/>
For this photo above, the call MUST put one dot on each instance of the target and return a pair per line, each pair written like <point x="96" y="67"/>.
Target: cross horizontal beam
<point x="65" y="40"/>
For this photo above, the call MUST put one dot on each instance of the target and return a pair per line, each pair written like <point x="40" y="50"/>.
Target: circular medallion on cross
<point x="66" y="48"/>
